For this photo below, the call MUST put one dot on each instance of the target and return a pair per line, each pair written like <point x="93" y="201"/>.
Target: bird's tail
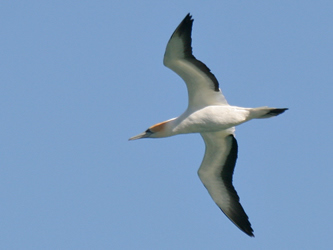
<point x="265" y="112"/>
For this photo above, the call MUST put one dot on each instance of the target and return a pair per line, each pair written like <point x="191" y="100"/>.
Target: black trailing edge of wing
<point x="236" y="214"/>
<point x="184" y="31"/>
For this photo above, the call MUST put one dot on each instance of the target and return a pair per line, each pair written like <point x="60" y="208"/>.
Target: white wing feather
<point x="216" y="173"/>
<point x="203" y="88"/>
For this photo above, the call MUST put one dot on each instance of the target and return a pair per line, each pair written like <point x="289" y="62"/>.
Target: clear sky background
<point x="78" y="78"/>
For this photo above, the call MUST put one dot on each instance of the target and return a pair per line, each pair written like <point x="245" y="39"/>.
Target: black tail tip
<point x="276" y="112"/>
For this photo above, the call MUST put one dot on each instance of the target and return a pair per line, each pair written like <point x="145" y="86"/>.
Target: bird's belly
<point x="211" y="119"/>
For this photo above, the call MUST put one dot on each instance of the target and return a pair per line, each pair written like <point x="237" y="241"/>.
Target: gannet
<point x="209" y="114"/>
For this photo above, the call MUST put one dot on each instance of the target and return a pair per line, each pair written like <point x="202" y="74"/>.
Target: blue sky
<point x="78" y="78"/>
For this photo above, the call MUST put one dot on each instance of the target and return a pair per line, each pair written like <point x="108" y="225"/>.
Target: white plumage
<point x="209" y="114"/>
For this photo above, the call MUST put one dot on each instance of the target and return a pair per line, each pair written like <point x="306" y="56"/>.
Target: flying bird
<point x="209" y="114"/>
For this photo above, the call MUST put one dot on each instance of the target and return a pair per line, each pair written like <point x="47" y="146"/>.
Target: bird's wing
<point x="203" y="88"/>
<point x="216" y="173"/>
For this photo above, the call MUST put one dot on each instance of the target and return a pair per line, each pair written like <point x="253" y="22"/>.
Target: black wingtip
<point x="249" y="232"/>
<point x="189" y="17"/>
<point x="236" y="212"/>
<point x="185" y="26"/>
<point x="240" y="219"/>
<point x="184" y="30"/>
<point x="246" y="227"/>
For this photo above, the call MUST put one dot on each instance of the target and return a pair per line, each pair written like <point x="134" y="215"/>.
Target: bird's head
<point x="156" y="131"/>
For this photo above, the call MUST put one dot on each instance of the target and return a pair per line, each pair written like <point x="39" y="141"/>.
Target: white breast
<point x="210" y="119"/>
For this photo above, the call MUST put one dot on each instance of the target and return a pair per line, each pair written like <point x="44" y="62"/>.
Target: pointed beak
<point x="139" y="136"/>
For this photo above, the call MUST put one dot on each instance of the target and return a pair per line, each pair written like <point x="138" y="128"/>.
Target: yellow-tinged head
<point x="159" y="127"/>
<point x="156" y="131"/>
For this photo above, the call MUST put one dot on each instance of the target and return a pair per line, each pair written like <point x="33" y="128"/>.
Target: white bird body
<point x="209" y="114"/>
<point x="209" y="119"/>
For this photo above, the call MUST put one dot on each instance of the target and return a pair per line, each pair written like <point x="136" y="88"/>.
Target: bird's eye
<point x="148" y="131"/>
